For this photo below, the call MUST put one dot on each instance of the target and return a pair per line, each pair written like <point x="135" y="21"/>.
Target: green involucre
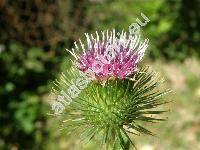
<point x="114" y="108"/>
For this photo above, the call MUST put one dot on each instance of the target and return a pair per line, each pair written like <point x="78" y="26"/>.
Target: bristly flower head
<point x="110" y="56"/>
<point x="128" y="97"/>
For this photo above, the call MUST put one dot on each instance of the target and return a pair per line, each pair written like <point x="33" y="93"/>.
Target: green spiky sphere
<point x="115" y="107"/>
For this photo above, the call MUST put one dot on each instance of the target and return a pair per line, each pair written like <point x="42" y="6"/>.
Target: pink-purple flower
<point x="110" y="56"/>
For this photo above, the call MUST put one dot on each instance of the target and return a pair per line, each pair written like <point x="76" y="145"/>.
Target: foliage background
<point x="34" y="35"/>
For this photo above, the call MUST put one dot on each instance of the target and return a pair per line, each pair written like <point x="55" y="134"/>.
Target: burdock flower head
<point x="111" y="111"/>
<point x="111" y="56"/>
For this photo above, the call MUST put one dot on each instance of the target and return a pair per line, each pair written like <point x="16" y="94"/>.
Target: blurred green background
<point x="33" y="36"/>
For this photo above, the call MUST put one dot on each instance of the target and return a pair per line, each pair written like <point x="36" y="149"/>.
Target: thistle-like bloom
<point x="110" y="56"/>
<point x="116" y="108"/>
